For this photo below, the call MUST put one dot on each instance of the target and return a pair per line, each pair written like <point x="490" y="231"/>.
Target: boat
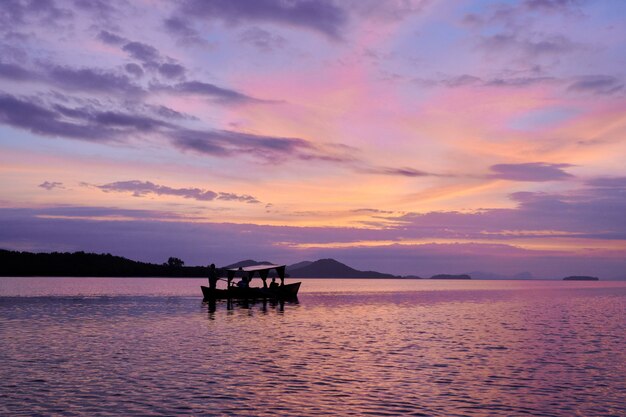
<point x="282" y="291"/>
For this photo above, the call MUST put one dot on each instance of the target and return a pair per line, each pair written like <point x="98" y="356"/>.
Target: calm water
<point x="150" y="347"/>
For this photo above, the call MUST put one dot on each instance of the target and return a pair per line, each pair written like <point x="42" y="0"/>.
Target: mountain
<point x="298" y="265"/>
<point x="247" y="262"/>
<point x="330" y="268"/>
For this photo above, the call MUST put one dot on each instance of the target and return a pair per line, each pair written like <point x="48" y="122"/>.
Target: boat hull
<point x="285" y="292"/>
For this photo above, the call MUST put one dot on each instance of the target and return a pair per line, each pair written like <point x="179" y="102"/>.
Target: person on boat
<point x="273" y="284"/>
<point x="212" y="277"/>
<point x="243" y="283"/>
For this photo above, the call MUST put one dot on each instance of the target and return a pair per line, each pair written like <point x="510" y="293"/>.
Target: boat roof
<point x="254" y="268"/>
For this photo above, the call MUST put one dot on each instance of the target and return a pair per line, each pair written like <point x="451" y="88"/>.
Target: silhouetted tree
<point x="175" y="262"/>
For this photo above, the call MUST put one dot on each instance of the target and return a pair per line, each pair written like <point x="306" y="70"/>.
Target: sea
<point x="346" y="347"/>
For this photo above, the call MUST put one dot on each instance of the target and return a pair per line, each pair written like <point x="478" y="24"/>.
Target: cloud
<point x="517" y="81"/>
<point x="593" y="214"/>
<point x="15" y="72"/>
<point x="244" y="198"/>
<point x="82" y="122"/>
<point x="402" y="172"/>
<point x="371" y="211"/>
<point x="597" y="84"/>
<point x="169" y="70"/>
<point x="461" y="81"/>
<point x="322" y="16"/>
<point x="134" y="69"/>
<point x="531" y="171"/>
<point x="111" y="38"/>
<point x="143" y="188"/>
<point x="93" y="122"/>
<point x="134" y="232"/>
<point x="608" y="182"/>
<point x="229" y="143"/>
<point x="179" y="26"/>
<point x="92" y="212"/>
<point x="385" y="11"/>
<point x="96" y="80"/>
<point x="148" y="55"/>
<point x="551" y="5"/>
<point x="124" y="120"/>
<point x="273" y="149"/>
<point x="51" y="185"/>
<point x="466" y="80"/>
<point x="18" y="13"/>
<point x="102" y="10"/>
<point x="38" y="119"/>
<point x="167" y="113"/>
<point x="91" y="80"/>
<point x="183" y="30"/>
<point x="262" y="39"/>
<point x="210" y="90"/>
<point x="536" y="46"/>
<point x="145" y="53"/>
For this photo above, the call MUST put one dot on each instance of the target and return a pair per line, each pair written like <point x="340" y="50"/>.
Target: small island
<point x="581" y="278"/>
<point x="450" y="276"/>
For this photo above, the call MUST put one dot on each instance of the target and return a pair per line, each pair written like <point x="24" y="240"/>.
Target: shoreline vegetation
<point x="83" y="264"/>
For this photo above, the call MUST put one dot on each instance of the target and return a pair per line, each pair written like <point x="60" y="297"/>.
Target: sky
<point x="409" y="137"/>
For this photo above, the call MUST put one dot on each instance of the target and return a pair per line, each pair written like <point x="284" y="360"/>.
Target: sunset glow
<point x="387" y="135"/>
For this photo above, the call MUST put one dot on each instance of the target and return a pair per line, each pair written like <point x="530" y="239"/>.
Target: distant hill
<point x="298" y="265"/>
<point x="491" y="275"/>
<point x="243" y="264"/>
<point x="247" y="262"/>
<point x="330" y="268"/>
<point x="450" y="276"/>
<point x="580" y="278"/>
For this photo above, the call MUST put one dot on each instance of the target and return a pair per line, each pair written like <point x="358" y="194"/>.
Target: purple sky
<point x="411" y="137"/>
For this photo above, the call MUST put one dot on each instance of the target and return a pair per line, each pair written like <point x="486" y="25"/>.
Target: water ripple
<point x="432" y="353"/>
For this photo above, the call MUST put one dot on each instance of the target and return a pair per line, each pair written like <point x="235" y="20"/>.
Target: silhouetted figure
<point x="212" y="277"/>
<point x="273" y="284"/>
<point x="244" y="281"/>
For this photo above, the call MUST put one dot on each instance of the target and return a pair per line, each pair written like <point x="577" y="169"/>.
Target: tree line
<point x="82" y="264"/>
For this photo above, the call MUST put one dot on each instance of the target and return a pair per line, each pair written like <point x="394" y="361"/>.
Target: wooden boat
<point x="282" y="291"/>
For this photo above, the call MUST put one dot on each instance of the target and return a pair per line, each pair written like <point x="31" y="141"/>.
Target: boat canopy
<point x="262" y="269"/>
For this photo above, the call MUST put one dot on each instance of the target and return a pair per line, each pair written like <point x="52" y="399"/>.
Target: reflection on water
<point x="262" y="305"/>
<point x="545" y="349"/>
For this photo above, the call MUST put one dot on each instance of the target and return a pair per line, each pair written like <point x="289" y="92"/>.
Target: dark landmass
<point x="81" y="264"/>
<point x="581" y="278"/>
<point x="449" y="276"/>
<point x="494" y="276"/>
<point x="247" y="262"/>
<point x="299" y="265"/>
<point x="330" y="268"/>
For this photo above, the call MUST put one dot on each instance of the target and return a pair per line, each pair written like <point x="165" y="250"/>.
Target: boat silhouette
<point x="243" y="290"/>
